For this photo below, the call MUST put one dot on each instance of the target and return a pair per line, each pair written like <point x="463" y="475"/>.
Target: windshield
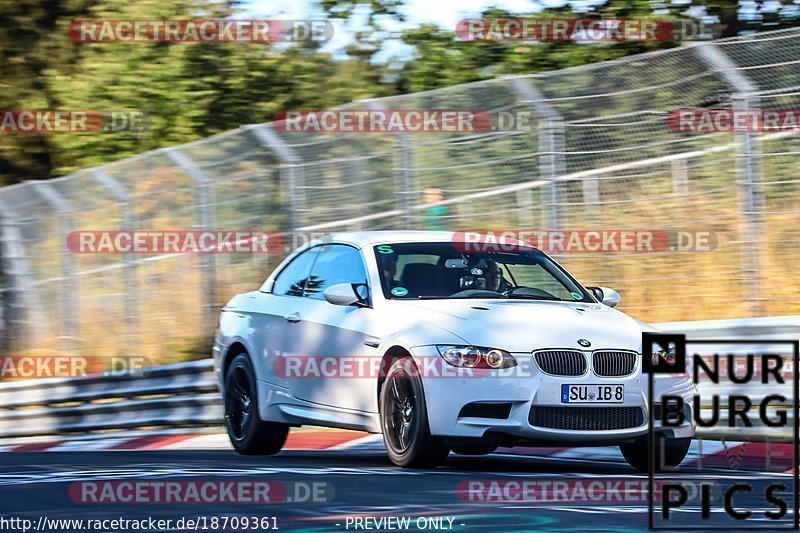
<point x="439" y="270"/>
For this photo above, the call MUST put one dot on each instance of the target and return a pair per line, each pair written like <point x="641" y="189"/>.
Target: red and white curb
<point x="703" y="454"/>
<point x="300" y="439"/>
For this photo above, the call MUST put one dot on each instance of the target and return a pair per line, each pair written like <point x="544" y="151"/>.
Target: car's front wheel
<point x="669" y="453"/>
<point x="404" y="419"/>
<point x="248" y="433"/>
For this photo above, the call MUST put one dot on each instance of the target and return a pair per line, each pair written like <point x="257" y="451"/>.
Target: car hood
<point x="523" y="326"/>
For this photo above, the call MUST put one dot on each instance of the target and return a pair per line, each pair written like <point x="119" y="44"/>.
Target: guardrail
<point x="182" y="395"/>
<point x="185" y="395"/>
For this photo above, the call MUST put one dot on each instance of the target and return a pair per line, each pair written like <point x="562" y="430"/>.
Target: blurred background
<point x="599" y="155"/>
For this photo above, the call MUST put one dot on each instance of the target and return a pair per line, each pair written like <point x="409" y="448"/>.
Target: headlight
<point x="476" y="357"/>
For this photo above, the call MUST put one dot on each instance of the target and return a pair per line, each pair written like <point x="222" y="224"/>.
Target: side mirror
<point x="345" y="294"/>
<point x="609" y="297"/>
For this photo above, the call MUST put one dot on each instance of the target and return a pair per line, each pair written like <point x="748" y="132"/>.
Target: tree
<point x="186" y="90"/>
<point x="31" y="47"/>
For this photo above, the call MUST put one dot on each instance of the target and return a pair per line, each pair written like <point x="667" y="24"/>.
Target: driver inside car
<point x="494" y="276"/>
<point x="388" y="266"/>
<point x="484" y="275"/>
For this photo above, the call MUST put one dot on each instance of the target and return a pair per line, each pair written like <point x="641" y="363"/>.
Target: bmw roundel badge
<point x="585" y="343"/>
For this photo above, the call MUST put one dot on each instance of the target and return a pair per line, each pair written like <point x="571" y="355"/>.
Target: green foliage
<point x="442" y="60"/>
<point x="188" y="91"/>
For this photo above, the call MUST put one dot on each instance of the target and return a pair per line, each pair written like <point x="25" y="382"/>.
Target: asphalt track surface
<point x="365" y="484"/>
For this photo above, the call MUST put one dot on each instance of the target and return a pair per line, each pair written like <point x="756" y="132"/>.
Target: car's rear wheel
<point x="669" y="453"/>
<point x="248" y="433"/>
<point x="404" y="419"/>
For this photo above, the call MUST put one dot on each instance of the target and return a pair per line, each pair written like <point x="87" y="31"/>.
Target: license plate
<point x="592" y="393"/>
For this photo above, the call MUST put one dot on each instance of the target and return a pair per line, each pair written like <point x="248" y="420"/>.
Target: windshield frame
<point x="588" y="297"/>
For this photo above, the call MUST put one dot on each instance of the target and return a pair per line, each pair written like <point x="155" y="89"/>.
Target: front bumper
<point x="515" y="392"/>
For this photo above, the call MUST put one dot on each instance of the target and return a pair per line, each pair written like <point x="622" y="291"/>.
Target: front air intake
<point x="585" y="418"/>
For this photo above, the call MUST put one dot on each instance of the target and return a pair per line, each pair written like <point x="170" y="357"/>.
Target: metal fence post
<point x="17" y="301"/>
<point x="5" y="304"/>
<point x="680" y="176"/>
<point x="551" y="145"/>
<point x="70" y="301"/>
<point x="356" y="169"/>
<point x="408" y="185"/>
<point x="405" y="187"/>
<point x="524" y="200"/>
<point x="131" y="280"/>
<point x="204" y="221"/>
<point x="591" y="200"/>
<point x="405" y="182"/>
<point x="751" y="200"/>
<point x="748" y="172"/>
<point x="290" y="173"/>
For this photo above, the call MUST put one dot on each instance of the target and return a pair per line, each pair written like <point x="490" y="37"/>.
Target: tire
<point x="248" y="433"/>
<point x="404" y="420"/>
<point x="475" y="449"/>
<point x="675" y="451"/>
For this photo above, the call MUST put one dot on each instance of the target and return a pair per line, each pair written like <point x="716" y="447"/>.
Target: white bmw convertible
<point x="439" y="347"/>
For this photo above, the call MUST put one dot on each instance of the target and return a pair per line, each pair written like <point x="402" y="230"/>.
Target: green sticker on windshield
<point x="399" y="291"/>
<point x="576" y="295"/>
<point x="384" y="249"/>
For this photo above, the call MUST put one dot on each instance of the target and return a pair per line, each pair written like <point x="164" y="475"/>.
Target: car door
<point x="275" y="306"/>
<point x="331" y="337"/>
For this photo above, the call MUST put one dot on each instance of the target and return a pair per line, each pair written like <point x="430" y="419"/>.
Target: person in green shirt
<point x="433" y="217"/>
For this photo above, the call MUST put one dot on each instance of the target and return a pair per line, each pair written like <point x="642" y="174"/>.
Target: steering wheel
<point x="475" y="293"/>
<point x="529" y="291"/>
